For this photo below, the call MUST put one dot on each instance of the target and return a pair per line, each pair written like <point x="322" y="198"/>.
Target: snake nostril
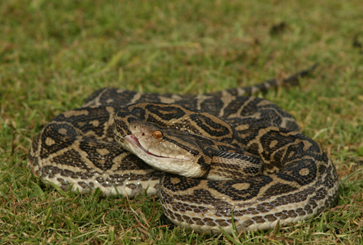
<point x="143" y="134"/>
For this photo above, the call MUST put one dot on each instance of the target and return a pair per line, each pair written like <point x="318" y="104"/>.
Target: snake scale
<point x="230" y="158"/>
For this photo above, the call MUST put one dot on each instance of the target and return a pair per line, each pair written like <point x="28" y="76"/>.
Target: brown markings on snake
<point x="186" y="127"/>
<point x="270" y="217"/>
<point x="134" y="186"/>
<point x="138" y="111"/>
<point x="203" y="165"/>
<point x="69" y="173"/>
<point x="215" y="129"/>
<point x="292" y="213"/>
<point x="147" y="98"/>
<point x="319" y="195"/>
<point x="166" y="112"/>
<point x="331" y="177"/>
<point x="308" y="209"/>
<point x="184" y="207"/>
<point x="88" y="123"/>
<point x="241" y="186"/>
<point x="212" y="104"/>
<point x="321" y="169"/>
<point x="234" y="106"/>
<point x="188" y="103"/>
<point x="131" y="162"/>
<point x="62" y="131"/>
<point x="279" y="188"/>
<point x="300" y="211"/>
<point x="195" y="220"/>
<point x="313" y="204"/>
<point x="62" y="181"/>
<point x="295" y="197"/>
<point x="49" y="141"/>
<point x="81" y="124"/>
<point x="82" y="184"/>
<point x="258" y="219"/>
<point x="175" y="180"/>
<point x="103" y="151"/>
<point x="226" y="187"/>
<point x="184" y="184"/>
<point x="119" y="96"/>
<point x="304" y="171"/>
<point x="152" y="119"/>
<point x="63" y="141"/>
<point x="70" y="158"/>
<point x="291" y="173"/>
<point x="121" y="128"/>
<point x="199" y="196"/>
<point x="282" y="215"/>
<point x="102" y="161"/>
<point x="75" y="113"/>
<point x="307" y="145"/>
<point x="251" y="170"/>
<point x="273" y="143"/>
<point x="209" y="222"/>
<point x="95" y="123"/>
<point x="248" y="223"/>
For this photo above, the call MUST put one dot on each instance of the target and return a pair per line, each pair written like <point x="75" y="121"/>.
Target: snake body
<point x="251" y="165"/>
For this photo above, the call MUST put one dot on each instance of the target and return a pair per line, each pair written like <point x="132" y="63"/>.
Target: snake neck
<point x="230" y="165"/>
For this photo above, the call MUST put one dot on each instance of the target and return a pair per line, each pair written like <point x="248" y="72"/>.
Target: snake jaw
<point x="132" y="143"/>
<point x="180" y="164"/>
<point x="136" y="142"/>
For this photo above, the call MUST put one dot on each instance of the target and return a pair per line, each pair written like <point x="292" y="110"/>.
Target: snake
<point x="223" y="161"/>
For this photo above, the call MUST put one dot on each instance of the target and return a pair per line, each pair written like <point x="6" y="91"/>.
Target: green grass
<point x="53" y="54"/>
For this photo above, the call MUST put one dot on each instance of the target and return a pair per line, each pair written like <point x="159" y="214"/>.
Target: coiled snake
<point x="229" y="157"/>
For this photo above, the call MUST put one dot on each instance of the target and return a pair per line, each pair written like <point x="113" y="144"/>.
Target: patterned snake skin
<point x="257" y="170"/>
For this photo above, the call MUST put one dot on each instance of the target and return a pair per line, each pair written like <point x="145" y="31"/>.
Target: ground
<point x="53" y="54"/>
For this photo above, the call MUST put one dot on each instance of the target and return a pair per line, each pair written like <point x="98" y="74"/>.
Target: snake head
<point x="164" y="149"/>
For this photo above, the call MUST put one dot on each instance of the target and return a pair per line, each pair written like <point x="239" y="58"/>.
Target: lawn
<point x="53" y="54"/>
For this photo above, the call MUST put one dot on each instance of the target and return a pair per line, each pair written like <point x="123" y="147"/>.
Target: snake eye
<point x="157" y="134"/>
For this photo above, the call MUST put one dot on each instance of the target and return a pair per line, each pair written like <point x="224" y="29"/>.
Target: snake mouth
<point x="134" y="144"/>
<point x="133" y="139"/>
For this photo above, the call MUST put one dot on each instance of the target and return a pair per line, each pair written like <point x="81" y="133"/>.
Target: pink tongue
<point x="135" y="140"/>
